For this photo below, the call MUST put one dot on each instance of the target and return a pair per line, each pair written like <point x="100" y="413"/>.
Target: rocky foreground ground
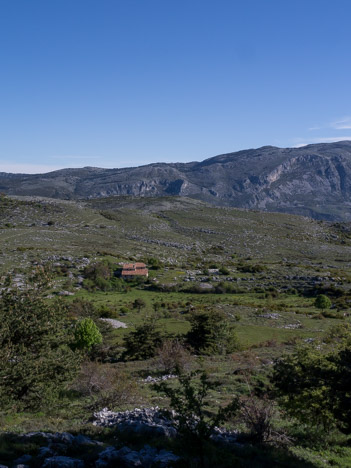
<point x="56" y="449"/>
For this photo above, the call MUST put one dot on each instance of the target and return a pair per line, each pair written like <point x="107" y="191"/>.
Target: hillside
<point x="314" y="180"/>
<point x="257" y="273"/>
<point x="175" y="229"/>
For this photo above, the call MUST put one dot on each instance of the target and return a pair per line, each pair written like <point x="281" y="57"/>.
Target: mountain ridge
<point x="313" y="180"/>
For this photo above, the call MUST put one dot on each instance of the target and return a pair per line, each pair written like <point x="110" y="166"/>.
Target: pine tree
<point x="36" y="360"/>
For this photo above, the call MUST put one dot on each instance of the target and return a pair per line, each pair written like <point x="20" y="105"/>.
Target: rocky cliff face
<point x="314" y="180"/>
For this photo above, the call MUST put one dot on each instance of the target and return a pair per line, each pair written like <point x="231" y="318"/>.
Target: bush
<point x="258" y="415"/>
<point x="172" y="356"/>
<point x="104" y="386"/>
<point x="322" y="302"/>
<point x="97" y="276"/>
<point x="108" y="311"/>
<point x="139" y="304"/>
<point x="251" y="268"/>
<point x="102" y="283"/>
<point x="143" y="342"/>
<point x="189" y="402"/>
<point x="226" y="287"/>
<point x="96" y="270"/>
<point x="86" y="334"/>
<point x="338" y="334"/>
<point x="154" y="263"/>
<point x="212" y="333"/>
<point x="81" y="308"/>
<point x="342" y="303"/>
<point x="224" y="271"/>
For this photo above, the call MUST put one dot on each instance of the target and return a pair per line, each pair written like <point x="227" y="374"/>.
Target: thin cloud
<point x="341" y="124"/>
<point x="69" y="157"/>
<point x="315" y="128"/>
<point x="310" y="141"/>
<point x="24" y="168"/>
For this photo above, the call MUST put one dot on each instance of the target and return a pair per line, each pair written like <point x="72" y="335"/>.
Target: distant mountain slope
<point x="313" y="180"/>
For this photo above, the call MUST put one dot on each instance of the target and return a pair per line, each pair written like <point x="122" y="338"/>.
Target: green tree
<point x="298" y="379"/>
<point x="36" y="359"/>
<point x="322" y="302"/>
<point x="97" y="276"/>
<point x="341" y="388"/>
<point x="144" y="341"/>
<point x="96" y="270"/>
<point x="81" y="308"/>
<point x="212" y="333"/>
<point x="315" y="387"/>
<point x="87" y="334"/>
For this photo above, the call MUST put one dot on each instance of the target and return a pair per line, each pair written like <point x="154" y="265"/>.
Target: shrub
<point x="154" y="263"/>
<point x="102" y="283"/>
<point x="225" y="287"/>
<point x="251" y="268"/>
<point x="258" y="415"/>
<point x="96" y="270"/>
<point x="89" y="285"/>
<point x="97" y="276"/>
<point x="172" y="356"/>
<point x="139" y="304"/>
<point x="224" y="271"/>
<point x="104" y="386"/>
<point x="212" y="333"/>
<point x="342" y="303"/>
<point x="86" y="334"/>
<point x="322" y="302"/>
<point x="189" y="402"/>
<point x="338" y="334"/>
<point x="81" y="308"/>
<point x="107" y="311"/>
<point x="143" y="342"/>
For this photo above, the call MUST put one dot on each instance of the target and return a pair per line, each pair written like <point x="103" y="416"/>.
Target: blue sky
<point x="116" y="83"/>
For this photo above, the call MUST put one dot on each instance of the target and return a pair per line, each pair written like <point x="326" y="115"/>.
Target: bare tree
<point x="173" y="356"/>
<point x="105" y="386"/>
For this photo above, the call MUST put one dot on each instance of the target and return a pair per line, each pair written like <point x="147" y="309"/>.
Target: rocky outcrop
<point x="314" y="180"/>
<point x="153" y="421"/>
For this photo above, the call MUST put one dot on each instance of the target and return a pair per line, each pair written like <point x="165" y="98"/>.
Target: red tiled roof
<point x="132" y="266"/>
<point x="139" y="271"/>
